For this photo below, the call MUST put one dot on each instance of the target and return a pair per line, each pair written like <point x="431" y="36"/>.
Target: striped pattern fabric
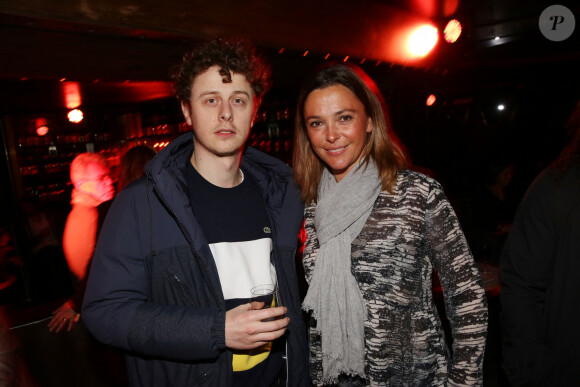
<point x="408" y="234"/>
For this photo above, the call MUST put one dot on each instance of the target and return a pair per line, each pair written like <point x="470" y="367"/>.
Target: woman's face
<point x="337" y="127"/>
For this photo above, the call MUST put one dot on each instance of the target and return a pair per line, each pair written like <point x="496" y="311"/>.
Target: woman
<point x="132" y="163"/>
<point x="375" y="231"/>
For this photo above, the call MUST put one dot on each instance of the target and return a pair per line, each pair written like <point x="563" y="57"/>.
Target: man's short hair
<point x="232" y="56"/>
<point x="80" y="163"/>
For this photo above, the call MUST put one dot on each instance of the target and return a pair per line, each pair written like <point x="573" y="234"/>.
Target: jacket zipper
<point x="179" y="223"/>
<point x="276" y="255"/>
<point x="185" y="233"/>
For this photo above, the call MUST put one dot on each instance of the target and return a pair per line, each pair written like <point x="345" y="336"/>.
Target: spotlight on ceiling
<point x="452" y="31"/>
<point x="422" y="40"/>
<point x="41" y="126"/>
<point x="430" y="100"/>
<point x="75" y="116"/>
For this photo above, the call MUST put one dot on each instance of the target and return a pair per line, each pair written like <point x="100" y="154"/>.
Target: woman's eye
<point x="314" y="124"/>
<point x="346" y="117"/>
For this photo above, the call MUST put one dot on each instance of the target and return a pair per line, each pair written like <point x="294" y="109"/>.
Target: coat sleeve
<point x="526" y="268"/>
<point x="116" y="309"/>
<point x="464" y="296"/>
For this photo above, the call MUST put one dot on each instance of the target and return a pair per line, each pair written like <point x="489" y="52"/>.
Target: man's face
<point x="96" y="182"/>
<point x="221" y="113"/>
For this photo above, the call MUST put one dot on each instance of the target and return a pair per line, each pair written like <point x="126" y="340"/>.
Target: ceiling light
<point x="422" y="40"/>
<point x="452" y="31"/>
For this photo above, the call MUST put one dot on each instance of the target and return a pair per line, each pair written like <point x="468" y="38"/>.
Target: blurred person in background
<point x="92" y="186"/>
<point x="92" y="195"/>
<point x="14" y="371"/>
<point x="93" y="190"/>
<point x="493" y="204"/>
<point x="539" y="267"/>
<point x="132" y="164"/>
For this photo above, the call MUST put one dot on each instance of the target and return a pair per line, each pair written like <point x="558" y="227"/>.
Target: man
<point x="181" y="249"/>
<point x="92" y="186"/>
<point x="539" y="270"/>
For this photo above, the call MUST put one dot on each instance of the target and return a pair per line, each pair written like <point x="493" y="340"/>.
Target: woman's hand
<point x="64" y="316"/>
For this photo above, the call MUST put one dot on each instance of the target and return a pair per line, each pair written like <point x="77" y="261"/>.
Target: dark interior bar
<point x="483" y="115"/>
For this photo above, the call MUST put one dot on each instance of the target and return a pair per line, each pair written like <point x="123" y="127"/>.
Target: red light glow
<point x="160" y="145"/>
<point x="434" y="8"/>
<point x="431" y="100"/>
<point x="72" y="94"/>
<point x="452" y="31"/>
<point x="422" y="40"/>
<point x="41" y="126"/>
<point x="40" y="122"/>
<point x="75" y="116"/>
<point x="42" y="130"/>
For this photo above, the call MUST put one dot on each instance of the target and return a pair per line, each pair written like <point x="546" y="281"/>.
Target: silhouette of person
<point x="493" y="206"/>
<point x="132" y="164"/>
<point x="539" y="267"/>
<point x="93" y="186"/>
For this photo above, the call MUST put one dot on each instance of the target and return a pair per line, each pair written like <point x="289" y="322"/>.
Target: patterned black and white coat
<point x="408" y="234"/>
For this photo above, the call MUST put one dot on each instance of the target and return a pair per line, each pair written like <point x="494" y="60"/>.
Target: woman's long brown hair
<point x="387" y="155"/>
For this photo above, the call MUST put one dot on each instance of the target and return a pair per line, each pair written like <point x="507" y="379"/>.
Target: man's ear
<point x="186" y="109"/>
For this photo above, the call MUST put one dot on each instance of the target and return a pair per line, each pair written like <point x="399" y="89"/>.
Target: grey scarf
<point x="333" y="295"/>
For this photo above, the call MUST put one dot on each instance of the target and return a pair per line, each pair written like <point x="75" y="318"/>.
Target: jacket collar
<point x="274" y="178"/>
<point x="270" y="173"/>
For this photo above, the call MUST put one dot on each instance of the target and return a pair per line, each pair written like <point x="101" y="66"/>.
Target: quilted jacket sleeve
<point x="117" y="307"/>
